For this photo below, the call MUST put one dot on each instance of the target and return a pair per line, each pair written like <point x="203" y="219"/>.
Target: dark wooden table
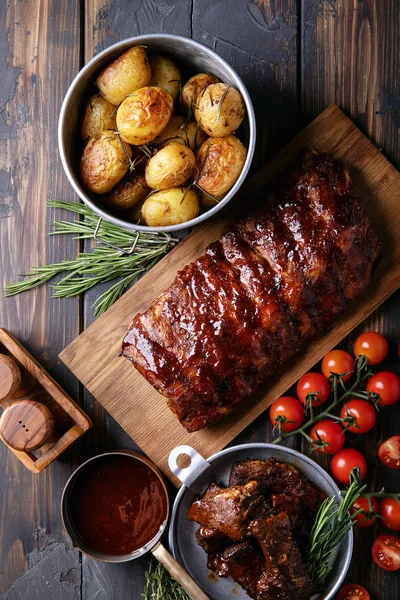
<point x="296" y="57"/>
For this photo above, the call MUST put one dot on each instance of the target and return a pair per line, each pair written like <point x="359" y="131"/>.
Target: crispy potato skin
<point x="166" y="207"/>
<point x="220" y="110"/>
<point x="194" y="87"/>
<point x="131" y="190"/>
<point x="125" y="75"/>
<point x="170" y="167"/>
<point x="220" y="162"/>
<point x="144" y="115"/>
<point x="99" y="116"/>
<point x="104" y="162"/>
<point x="191" y="135"/>
<point x="165" y="74"/>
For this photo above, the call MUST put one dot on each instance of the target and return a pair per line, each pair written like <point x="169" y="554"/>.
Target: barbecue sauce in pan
<point x="118" y="505"/>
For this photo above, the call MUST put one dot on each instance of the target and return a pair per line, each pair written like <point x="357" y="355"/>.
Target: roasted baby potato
<point x="191" y="135"/>
<point x="207" y="202"/>
<point x="170" y="207"/>
<point x="165" y="74"/>
<point x="125" y="75"/>
<point x="134" y="214"/>
<point x="104" y="162"/>
<point x="194" y="87"/>
<point x="99" y="115"/>
<point x="143" y="115"/>
<point x="131" y="190"/>
<point x="220" y="162"/>
<point x="220" y="110"/>
<point x="170" y="167"/>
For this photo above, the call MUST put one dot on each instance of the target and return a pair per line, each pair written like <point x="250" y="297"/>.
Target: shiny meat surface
<point x="240" y="311"/>
<point x="229" y="510"/>
<point x="245" y="565"/>
<point x="285" y="576"/>
<point x="212" y="541"/>
<point x="275" y="477"/>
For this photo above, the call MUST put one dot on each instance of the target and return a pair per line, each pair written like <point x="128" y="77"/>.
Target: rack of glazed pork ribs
<point x="256" y="530"/>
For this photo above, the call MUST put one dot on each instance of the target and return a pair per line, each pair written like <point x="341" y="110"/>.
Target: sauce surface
<point x="117" y="505"/>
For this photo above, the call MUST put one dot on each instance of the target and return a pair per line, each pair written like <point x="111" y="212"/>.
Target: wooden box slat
<point x="94" y="356"/>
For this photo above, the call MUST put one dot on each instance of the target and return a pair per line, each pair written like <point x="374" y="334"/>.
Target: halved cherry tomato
<point x="352" y="591"/>
<point x="339" y="362"/>
<point x="329" y="432"/>
<point x="387" y="385"/>
<point x="288" y="411"/>
<point x="360" y="413"/>
<point x="367" y="517"/>
<point x="386" y="552"/>
<point x="390" y="512"/>
<point x="389" y="452"/>
<point x="372" y="345"/>
<point x="313" y="383"/>
<point x="346" y="460"/>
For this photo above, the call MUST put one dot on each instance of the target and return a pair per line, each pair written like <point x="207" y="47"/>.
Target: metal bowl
<point x="196" y="479"/>
<point x="193" y="55"/>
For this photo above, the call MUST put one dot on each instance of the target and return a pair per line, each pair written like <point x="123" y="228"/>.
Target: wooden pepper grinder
<point x="25" y="424"/>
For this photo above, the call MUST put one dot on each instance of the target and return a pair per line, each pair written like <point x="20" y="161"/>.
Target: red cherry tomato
<point x="286" y="408"/>
<point x="360" y="413"/>
<point x="386" y="552"/>
<point x="365" y="519"/>
<point x="313" y="383"/>
<point x="329" y="432"/>
<point x="339" y="362"/>
<point x="389" y="452"/>
<point x="352" y="591"/>
<point x="390" y="512"/>
<point x="372" y="345"/>
<point x="346" y="460"/>
<point x="387" y="385"/>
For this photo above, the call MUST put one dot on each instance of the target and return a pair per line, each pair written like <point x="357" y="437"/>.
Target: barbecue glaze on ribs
<point x="244" y="308"/>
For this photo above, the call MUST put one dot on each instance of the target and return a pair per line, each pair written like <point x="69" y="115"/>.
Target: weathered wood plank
<point x="39" y="53"/>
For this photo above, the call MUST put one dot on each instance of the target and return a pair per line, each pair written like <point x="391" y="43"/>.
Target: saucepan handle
<point x="187" y="475"/>
<point x="127" y="251"/>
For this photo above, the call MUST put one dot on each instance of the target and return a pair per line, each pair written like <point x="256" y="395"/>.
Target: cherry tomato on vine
<point x="352" y="591"/>
<point x="389" y="452"/>
<point x="346" y="460"/>
<point x="359" y="415"/>
<point x="313" y="383"/>
<point x="329" y="432"/>
<point x="386" y="552"/>
<point x="339" y="362"/>
<point x="365" y="519"/>
<point x="286" y="408"/>
<point x="390" y="512"/>
<point x="387" y="385"/>
<point x="372" y="345"/>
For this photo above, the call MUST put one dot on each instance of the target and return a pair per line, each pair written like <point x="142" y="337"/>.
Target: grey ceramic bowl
<point x="196" y="479"/>
<point x="196" y="58"/>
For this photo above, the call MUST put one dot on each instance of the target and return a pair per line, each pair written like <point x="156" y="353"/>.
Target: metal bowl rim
<point x="349" y="538"/>
<point x="73" y="179"/>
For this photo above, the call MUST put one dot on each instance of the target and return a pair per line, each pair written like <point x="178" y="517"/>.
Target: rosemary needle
<point x="103" y="264"/>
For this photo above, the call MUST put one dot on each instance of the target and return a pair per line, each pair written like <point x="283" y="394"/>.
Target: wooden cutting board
<point x="94" y="356"/>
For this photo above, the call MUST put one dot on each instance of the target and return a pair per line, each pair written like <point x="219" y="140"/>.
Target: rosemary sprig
<point x="331" y="525"/>
<point x="103" y="264"/>
<point x="160" y="585"/>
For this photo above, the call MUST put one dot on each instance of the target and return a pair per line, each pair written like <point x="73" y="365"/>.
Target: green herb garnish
<point x="160" y="585"/>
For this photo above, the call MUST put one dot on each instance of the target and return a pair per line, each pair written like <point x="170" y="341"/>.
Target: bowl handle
<point x="128" y="251"/>
<point x="197" y="464"/>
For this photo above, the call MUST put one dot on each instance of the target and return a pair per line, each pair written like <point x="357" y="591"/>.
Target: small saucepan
<point x="115" y="508"/>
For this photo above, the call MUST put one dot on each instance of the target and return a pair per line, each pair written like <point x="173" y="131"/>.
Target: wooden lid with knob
<point x="26" y="425"/>
<point x="10" y="377"/>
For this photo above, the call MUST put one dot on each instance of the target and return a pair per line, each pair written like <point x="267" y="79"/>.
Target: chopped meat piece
<point x="246" y="306"/>
<point x="212" y="541"/>
<point x="277" y="478"/>
<point x="229" y="510"/>
<point x="245" y="565"/>
<point x="218" y="565"/>
<point x="285" y="576"/>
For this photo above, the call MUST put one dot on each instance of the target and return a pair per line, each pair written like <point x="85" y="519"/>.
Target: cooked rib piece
<point x="230" y="510"/>
<point x="285" y="576"/>
<point x="240" y="311"/>
<point x="245" y="565"/>
<point x="212" y="541"/>
<point x="277" y="478"/>
<point x="217" y="564"/>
